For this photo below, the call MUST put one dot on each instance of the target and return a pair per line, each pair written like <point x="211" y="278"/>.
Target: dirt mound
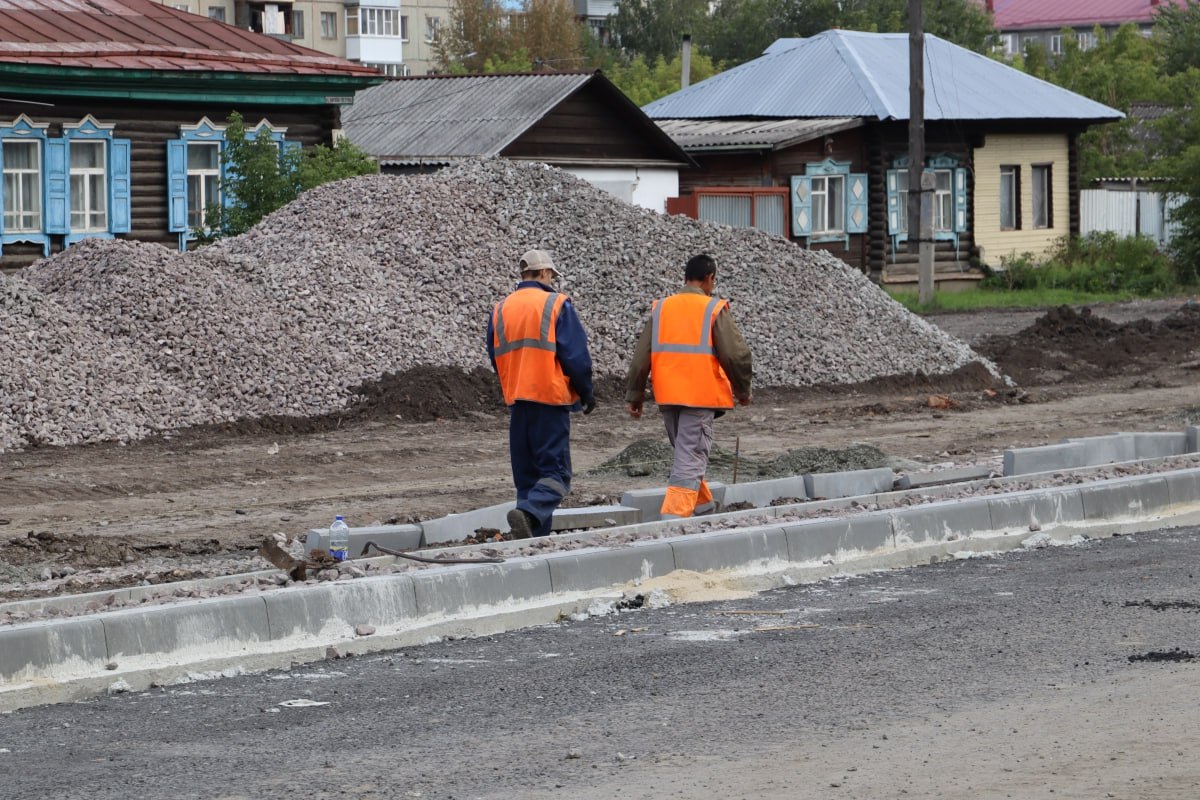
<point x="654" y="457"/>
<point x="1069" y="345"/>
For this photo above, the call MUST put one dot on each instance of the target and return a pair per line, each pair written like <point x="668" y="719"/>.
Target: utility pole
<point x="920" y="186"/>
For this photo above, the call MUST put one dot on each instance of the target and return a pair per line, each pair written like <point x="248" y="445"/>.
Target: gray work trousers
<point x="690" y="431"/>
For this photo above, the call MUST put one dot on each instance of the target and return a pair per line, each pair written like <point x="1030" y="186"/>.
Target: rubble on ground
<point x="114" y="340"/>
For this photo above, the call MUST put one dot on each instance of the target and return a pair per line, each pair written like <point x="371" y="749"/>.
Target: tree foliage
<point x="484" y="36"/>
<point x="737" y="31"/>
<point x="259" y="177"/>
<point x="1180" y="32"/>
<point x="644" y="83"/>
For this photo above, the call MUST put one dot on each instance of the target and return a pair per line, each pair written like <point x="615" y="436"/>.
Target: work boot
<point x="520" y="523"/>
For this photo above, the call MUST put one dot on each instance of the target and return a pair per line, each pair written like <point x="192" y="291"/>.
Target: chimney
<point x="686" y="78"/>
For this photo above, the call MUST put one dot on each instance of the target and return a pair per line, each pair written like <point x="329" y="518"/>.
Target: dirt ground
<point x="431" y="442"/>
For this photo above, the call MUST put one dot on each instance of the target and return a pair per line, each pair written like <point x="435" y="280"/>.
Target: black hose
<point x="423" y="560"/>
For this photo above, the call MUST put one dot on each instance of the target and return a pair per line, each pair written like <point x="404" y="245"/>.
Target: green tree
<point x="740" y="30"/>
<point x="655" y="28"/>
<point x="1179" y="29"/>
<point x="260" y="178"/>
<point x="1180" y="134"/>
<point x="644" y="83"/>
<point x="1118" y="72"/>
<point x="476" y="31"/>
<point x="550" y="33"/>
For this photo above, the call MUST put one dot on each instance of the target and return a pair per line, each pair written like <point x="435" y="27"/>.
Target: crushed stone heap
<point x="113" y="340"/>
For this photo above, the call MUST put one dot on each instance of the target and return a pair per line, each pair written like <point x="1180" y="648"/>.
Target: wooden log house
<point x="112" y="116"/>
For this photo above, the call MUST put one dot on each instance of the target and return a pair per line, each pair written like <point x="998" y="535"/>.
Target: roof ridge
<point x="862" y="76"/>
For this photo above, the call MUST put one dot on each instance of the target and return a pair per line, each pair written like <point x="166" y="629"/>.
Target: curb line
<point x="134" y="649"/>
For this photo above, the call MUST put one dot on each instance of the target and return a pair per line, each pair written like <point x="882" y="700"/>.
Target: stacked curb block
<point x="1093" y="451"/>
<point x="75" y="657"/>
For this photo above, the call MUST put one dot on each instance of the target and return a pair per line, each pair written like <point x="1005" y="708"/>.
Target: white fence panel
<point x="1127" y="213"/>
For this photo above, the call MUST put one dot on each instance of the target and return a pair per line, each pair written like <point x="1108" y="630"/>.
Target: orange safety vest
<point x="684" y="369"/>
<point x="523" y="338"/>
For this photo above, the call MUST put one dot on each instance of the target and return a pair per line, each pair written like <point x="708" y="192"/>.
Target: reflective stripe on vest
<point x="528" y="364"/>
<point x="684" y="369"/>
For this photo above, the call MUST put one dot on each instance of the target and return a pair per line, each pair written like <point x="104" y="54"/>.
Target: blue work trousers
<point x="539" y="446"/>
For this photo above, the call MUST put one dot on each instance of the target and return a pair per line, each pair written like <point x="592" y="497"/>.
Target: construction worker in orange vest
<point x="538" y="347"/>
<point x="698" y="363"/>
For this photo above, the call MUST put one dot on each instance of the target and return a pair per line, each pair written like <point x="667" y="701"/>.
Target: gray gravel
<point x="113" y="340"/>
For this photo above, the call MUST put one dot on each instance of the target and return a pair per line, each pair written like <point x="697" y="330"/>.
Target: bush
<point x="1098" y="262"/>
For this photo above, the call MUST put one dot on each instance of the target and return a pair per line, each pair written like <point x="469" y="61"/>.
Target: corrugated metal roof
<point x="717" y="134"/>
<point x="453" y="116"/>
<point x="1053" y="14"/>
<point x="142" y="34"/>
<point x="849" y="73"/>
<point x="437" y="118"/>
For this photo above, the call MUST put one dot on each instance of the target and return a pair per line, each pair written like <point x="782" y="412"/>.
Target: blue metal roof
<point x="849" y="73"/>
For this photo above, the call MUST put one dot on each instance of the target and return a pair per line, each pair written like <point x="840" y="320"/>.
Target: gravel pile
<point x="112" y="340"/>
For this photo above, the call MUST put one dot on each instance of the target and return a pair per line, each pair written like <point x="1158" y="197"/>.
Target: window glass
<point x="89" y="187"/>
<point x="828" y="198"/>
<point x="328" y="25"/>
<point x="1009" y="197"/>
<point x="217" y="13"/>
<point x="22" y="187"/>
<point x="1041" y="196"/>
<point x="203" y="180"/>
<point x="943" y="203"/>
<point x="352" y="21"/>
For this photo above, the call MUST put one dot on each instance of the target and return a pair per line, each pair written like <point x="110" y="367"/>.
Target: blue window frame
<point x="829" y="202"/>
<point x="75" y="185"/>
<point x="949" y="205"/>
<point x="87" y="182"/>
<point x="23" y="188"/>
<point x="197" y="169"/>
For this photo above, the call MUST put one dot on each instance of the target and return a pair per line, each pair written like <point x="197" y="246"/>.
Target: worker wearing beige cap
<point x="539" y="350"/>
<point x="699" y="364"/>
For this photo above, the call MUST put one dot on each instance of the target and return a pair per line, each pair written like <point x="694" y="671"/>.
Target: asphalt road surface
<point x="1064" y="672"/>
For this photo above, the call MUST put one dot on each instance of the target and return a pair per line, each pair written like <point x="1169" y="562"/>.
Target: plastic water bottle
<point x="339" y="539"/>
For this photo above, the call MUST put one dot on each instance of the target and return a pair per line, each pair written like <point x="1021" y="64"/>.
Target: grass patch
<point x="974" y="299"/>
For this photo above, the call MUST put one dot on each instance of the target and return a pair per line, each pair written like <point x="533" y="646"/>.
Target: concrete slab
<point x="1124" y="498"/>
<point x="610" y="516"/>
<point x="1027" y="460"/>
<point x="1110" y="449"/>
<point x="704" y="552"/>
<point x="1035" y="510"/>
<point x="455" y="527"/>
<point x="1160" y="444"/>
<point x="943" y="521"/>
<point x="188" y="630"/>
<point x="824" y="539"/>
<point x="396" y="537"/>
<point x="41" y="651"/>
<point x="466" y="588"/>
<point x="1193" y="438"/>
<point x="1183" y="486"/>
<point x="920" y="480"/>
<point x="583" y="570"/>
<point x="761" y="494"/>
<point x="854" y="483"/>
<point x="333" y="609"/>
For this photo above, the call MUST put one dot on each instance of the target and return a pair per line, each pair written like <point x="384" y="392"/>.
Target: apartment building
<point x="395" y="39"/>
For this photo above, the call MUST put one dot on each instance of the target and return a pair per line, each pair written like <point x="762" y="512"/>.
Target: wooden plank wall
<point x="588" y="125"/>
<point x="149" y="127"/>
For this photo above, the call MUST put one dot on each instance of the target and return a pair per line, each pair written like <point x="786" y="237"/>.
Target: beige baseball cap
<point x="538" y="259"/>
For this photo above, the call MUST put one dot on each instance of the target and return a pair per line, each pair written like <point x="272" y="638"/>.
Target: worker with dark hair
<point x="698" y="363"/>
